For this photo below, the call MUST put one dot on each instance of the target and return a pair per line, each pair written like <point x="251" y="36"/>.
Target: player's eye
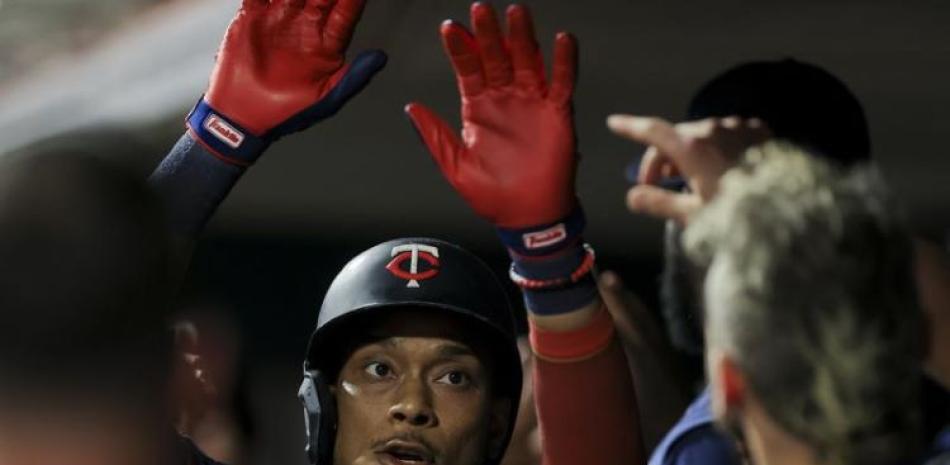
<point x="455" y="378"/>
<point x="378" y="370"/>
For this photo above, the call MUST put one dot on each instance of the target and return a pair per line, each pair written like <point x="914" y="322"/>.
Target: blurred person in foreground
<point x="215" y="411"/>
<point x="812" y="320"/>
<point x="281" y="69"/>
<point x="86" y="357"/>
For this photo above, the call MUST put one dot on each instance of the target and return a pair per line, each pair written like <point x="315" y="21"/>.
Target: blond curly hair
<point x="815" y="301"/>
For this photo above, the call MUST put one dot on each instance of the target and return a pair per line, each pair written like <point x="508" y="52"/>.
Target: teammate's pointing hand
<point x="701" y="151"/>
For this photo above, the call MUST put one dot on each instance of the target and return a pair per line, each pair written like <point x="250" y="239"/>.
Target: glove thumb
<point x="355" y="77"/>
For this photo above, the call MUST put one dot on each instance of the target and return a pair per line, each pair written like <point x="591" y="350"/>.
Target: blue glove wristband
<point x="236" y="145"/>
<point x="224" y="137"/>
<point x="544" y="239"/>
<point x="547" y="252"/>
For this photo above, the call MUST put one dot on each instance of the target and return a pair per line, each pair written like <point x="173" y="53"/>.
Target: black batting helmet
<point x="413" y="273"/>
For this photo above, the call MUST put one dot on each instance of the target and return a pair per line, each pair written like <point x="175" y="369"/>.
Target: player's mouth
<point x="399" y="452"/>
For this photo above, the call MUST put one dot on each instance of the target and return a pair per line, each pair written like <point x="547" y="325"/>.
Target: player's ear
<point x="499" y="421"/>
<point x="729" y="387"/>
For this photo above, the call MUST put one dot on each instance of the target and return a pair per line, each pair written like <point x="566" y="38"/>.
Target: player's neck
<point x="769" y="444"/>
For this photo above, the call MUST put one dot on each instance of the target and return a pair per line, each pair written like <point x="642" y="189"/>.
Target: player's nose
<point x="413" y="406"/>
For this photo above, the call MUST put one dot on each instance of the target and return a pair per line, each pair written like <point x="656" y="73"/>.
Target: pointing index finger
<point x="648" y="131"/>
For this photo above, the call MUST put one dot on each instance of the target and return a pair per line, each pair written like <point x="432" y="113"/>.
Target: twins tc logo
<point x="413" y="253"/>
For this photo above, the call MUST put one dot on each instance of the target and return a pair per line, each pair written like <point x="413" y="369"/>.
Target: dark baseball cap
<point x="800" y="102"/>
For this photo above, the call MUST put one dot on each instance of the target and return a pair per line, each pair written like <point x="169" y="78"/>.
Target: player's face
<point x="414" y="400"/>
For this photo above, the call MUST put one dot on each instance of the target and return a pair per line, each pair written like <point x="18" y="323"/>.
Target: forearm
<point x="191" y="183"/>
<point x="586" y="402"/>
<point x="587" y="410"/>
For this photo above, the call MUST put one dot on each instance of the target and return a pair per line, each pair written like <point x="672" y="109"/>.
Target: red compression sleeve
<point x="587" y="408"/>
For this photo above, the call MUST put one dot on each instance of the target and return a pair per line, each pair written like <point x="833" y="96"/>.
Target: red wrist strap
<point x="573" y="345"/>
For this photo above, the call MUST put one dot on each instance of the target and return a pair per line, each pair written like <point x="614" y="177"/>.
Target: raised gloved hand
<point x="280" y="69"/>
<point x="515" y="160"/>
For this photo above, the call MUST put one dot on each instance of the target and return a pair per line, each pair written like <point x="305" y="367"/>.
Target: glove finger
<point x="564" y="69"/>
<point x="462" y="50"/>
<point x="526" y="59"/>
<point x="341" y="23"/>
<point x="442" y="141"/>
<point x="495" y="59"/>
<point x="661" y="203"/>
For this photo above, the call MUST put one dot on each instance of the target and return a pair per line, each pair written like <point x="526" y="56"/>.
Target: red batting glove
<point x="280" y="69"/>
<point x="515" y="160"/>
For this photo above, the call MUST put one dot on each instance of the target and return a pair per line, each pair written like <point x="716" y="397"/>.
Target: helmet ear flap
<point x="319" y="408"/>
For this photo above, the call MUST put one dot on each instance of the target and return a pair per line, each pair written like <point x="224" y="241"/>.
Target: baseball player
<point x="281" y="69"/>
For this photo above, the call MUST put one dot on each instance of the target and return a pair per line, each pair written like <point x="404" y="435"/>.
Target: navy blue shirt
<point x="694" y="440"/>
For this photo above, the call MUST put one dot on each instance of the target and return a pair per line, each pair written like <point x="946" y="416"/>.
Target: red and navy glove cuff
<point x="546" y="239"/>
<point x="558" y="283"/>
<point x="223" y="137"/>
<point x="552" y="265"/>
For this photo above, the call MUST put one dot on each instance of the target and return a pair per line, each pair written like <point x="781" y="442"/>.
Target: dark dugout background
<point x="319" y="197"/>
